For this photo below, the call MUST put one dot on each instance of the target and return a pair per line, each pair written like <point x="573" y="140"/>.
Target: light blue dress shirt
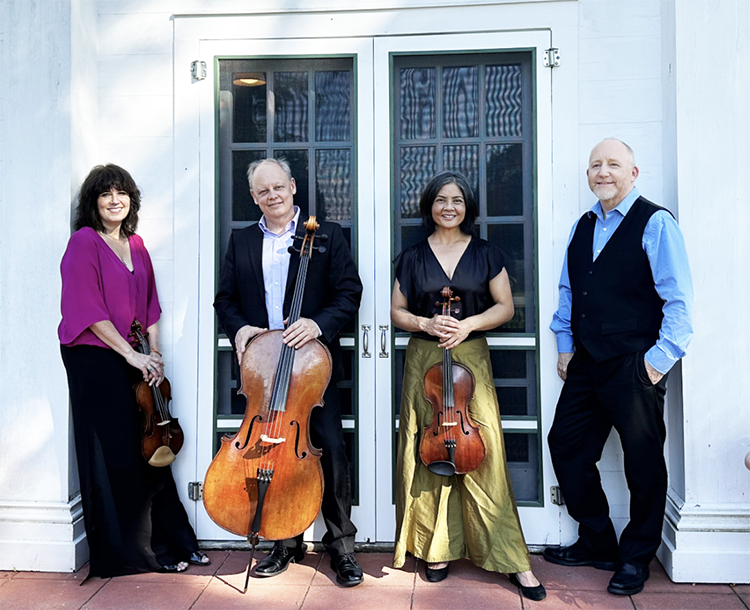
<point x="276" y="268"/>
<point x="665" y="249"/>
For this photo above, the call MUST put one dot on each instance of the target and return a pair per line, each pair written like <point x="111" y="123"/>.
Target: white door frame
<point x="200" y="37"/>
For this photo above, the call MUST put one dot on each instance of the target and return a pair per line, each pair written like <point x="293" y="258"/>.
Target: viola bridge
<point x="448" y="424"/>
<point x="274" y="441"/>
<point x="164" y="423"/>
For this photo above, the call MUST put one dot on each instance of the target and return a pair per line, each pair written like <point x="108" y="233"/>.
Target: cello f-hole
<point x="296" y="441"/>
<point x="249" y="433"/>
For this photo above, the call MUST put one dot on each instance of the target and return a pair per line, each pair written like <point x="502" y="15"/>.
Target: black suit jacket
<point x="333" y="289"/>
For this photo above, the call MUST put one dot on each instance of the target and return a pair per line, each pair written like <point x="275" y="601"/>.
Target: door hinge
<point x="195" y="490"/>
<point x="198" y="69"/>
<point x="552" y="58"/>
<point x="556" y="495"/>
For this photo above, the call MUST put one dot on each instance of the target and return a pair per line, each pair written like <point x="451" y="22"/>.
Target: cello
<point x="452" y="443"/>
<point x="266" y="481"/>
<point x="161" y="434"/>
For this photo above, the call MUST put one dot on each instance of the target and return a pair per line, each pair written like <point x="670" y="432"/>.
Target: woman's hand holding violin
<point x="151" y="366"/>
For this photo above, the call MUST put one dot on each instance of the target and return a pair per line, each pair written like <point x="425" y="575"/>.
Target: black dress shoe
<point x="578" y="555"/>
<point x="436" y="575"/>
<point x="348" y="572"/>
<point x="628" y="580"/>
<point x="278" y="560"/>
<point x="535" y="594"/>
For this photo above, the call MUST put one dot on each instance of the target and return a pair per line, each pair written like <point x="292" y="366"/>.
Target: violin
<point x="266" y="481"/>
<point x="161" y="435"/>
<point x="452" y="443"/>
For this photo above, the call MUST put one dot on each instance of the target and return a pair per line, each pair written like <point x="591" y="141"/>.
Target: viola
<point x="161" y="435"/>
<point x="452" y="443"/>
<point x="266" y="481"/>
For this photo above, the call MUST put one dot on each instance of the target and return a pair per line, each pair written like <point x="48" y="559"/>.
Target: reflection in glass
<point x="290" y="93"/>
<point x="504" y="180"/>
<point x="228" y="401"/>
<point x="508" y="364"/>
<point x="464" y="159"/>
<point x="460" y="95"/>
<point x="417" y="89"/>
<point x="509" y="237"/>
<point x="417" y="167"/>
<point x="512" y="400"/>
<point x="299" y="164"/>
<point x="249" y="114"/>
<point x="523" y="464"/>
<point x="333" y="196"/>
<point x="332" y="106"/>
<point x="243" y="206"/>
<point x="504" y="101"/>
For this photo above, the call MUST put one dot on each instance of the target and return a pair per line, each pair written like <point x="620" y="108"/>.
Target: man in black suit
<point x="255" y="294"/>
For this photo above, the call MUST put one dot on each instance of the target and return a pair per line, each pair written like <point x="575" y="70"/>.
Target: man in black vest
<point x="255" y="293"/>
<point x="624" y="319"/>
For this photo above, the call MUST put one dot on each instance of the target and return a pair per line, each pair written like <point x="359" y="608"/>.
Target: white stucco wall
<point x="40" y="521"/>
<point x="708" y="88"/>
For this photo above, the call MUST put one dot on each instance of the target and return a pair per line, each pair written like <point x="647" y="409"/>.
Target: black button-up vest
<point x="616" y="309"/>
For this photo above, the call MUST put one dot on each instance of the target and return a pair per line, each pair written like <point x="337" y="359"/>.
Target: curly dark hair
<point x="102" y="179"/>
<point x="430" y="193"/>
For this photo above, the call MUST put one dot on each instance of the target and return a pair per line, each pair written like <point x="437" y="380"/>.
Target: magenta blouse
<point x="96" y="286"/>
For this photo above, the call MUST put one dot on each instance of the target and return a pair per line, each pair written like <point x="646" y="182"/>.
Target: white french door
<point x="374" y="180"/>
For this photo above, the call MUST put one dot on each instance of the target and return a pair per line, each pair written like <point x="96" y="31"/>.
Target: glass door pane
<point x="473" y="113"/>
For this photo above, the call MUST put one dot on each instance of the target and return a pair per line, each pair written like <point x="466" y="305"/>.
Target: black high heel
<point x="436" y="575"/>
<point x="535" y="594"/>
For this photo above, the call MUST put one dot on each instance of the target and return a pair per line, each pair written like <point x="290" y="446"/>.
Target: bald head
<point x="612" y="172"/>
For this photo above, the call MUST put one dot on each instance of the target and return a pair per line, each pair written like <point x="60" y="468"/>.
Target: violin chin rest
<point x="443" y="468"/>
<point x="163" y="456"/>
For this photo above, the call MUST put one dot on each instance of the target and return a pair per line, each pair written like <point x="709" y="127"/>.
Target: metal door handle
<point x="383" y="328"/>
<point x="366" y="341"/>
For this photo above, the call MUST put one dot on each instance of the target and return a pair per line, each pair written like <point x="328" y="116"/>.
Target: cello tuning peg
<point x="322" y="237"/>
<point x="295" y="236"/>
<point x="320" y="249"/>
<point x="292" y="250"/>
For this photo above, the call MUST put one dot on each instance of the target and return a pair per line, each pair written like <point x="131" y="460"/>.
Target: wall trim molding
<point x="42" y="536"/>
<point x="706" y="543"/>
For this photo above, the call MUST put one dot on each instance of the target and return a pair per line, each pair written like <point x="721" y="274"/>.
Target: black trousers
<point x="326" y="434"/>
<point x="595" y="397"/>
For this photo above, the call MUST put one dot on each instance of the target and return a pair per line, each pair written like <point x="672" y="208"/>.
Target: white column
<point x="46" y="55"/>
<point x="706" y="88"/>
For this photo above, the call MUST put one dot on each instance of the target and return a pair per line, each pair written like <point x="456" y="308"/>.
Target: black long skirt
<point x="133" y="516"/>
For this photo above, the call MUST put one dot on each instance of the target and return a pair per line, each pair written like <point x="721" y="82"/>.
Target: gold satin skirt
<point x="472" y="515"/>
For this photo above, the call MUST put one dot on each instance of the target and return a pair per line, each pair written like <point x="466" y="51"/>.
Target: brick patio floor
<point x="311" y="585"/>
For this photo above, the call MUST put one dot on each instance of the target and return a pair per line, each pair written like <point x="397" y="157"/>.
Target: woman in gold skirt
<point x="443" y="518"/>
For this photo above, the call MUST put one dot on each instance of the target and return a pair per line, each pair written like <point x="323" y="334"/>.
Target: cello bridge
<point x="448" y="424"/>
<point x="274" y="441"/>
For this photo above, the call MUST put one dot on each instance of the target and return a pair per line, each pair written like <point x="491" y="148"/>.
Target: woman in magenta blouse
<point x="133" y="516"/>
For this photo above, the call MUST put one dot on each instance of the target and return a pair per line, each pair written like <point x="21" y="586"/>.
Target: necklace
<point x="116" y="249"/>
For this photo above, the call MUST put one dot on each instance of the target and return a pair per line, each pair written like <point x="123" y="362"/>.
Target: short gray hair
<point x="280" y="161"/>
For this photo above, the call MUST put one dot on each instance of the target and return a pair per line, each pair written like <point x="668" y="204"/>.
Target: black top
<point x="422" y="278"/>
<point x="615" y="307"/>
